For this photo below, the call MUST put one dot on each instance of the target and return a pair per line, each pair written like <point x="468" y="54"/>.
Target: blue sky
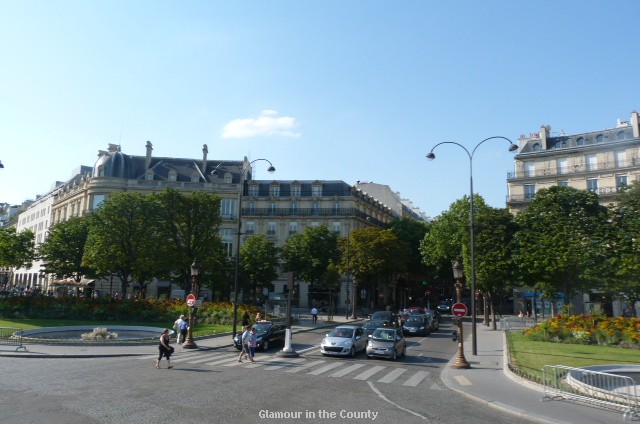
<point x="337" y="90"/>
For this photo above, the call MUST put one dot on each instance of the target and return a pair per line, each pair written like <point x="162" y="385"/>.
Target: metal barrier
<point x="595" y="388"/>
<point x="11" y="337"/>
<point x="516" y="323"/>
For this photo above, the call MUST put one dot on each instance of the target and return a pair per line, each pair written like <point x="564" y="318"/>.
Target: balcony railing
<point x="601" y="191"/>
<point x="568" y="170"/>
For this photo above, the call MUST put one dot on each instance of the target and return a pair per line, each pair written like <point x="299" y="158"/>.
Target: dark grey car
<point x="386" y="343"/>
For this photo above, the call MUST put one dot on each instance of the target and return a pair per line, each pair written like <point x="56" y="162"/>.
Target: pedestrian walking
<point x="348" y="310"/>
<point x="246" y="319"/>
<point x="253" y="342"/>
<point x="165" y="349"/>
<point x="181" y="326"/>
<point x="314" y="314"/>
<point x="245" y="345"/>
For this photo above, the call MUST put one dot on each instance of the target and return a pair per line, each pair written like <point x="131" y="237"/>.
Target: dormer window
<point x="101" y="171"/>
<point x="228" y="178"/>
<point x="295" y="191"/>
<point x="316" y="190"/>
<point x="173" y="176"/>
<point x="537" y="147"/>
<point x="599" y="138"/>
<point x="195" y="178"/>
<point x="148" y="175"/>
<point x="274" y="190"/>
<point x="580" y="141"/>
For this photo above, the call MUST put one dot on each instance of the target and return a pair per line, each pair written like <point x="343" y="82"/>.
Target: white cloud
<point x="267" y="124"/>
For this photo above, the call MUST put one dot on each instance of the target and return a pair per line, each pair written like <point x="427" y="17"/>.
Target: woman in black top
<point x="165" y="349"/>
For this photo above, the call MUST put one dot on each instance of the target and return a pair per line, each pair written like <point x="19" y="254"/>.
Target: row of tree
<point x="564" y="242"/>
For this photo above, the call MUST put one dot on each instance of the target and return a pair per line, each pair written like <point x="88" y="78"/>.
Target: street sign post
<point x="459" y="310"/>
<point x="191" y="300"/>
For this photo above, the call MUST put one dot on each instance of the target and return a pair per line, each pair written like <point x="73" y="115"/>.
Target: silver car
<point x="386" y="343"/>
<point x="344" y="340"/>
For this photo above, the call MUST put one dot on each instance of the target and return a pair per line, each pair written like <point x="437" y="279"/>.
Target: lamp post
<point x="236" y="277"/>
<point x="458" y="274"/>
<point x="431" y="156"/>
<point x="195" y="270"/>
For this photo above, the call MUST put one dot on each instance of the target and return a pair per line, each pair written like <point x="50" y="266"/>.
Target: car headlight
<point x="370" y="343"/>
<point x="347" y="343"/>
<point x="324" y="342"/>
<point x="259" y="339"/>
<point x="422" y="328"/>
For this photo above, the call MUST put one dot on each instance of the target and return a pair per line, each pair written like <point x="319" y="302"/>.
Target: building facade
<point x="603" y="161"/>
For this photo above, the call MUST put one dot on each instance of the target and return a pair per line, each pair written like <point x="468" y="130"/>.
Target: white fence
<point x="613" y="391"/>
<point x="11" y="337"/>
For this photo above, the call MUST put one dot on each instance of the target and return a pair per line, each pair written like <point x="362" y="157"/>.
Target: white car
<point x="344" y="340"/>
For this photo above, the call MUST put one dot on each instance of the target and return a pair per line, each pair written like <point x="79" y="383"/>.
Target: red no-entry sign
<point x="459" y="310"/>
<point x="191" y="300"/>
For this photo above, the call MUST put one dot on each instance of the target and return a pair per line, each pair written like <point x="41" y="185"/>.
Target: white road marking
<point x="347" y="370"/>
<point x="381" y="396"/>
<point x="304" y="367"/>
<point x="462" y="380"/>
<point x="416" y="378"/>
<point x="325" y="368"/>
<point x="368" y="373"/>
<point x="392" y="375"/>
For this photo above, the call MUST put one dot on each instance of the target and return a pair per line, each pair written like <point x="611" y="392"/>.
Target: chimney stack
<point x="205" y="150"/>
<point x="147" y="161"/>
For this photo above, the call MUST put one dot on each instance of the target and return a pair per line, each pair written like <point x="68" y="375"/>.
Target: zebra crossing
<point x="362" y="371"/>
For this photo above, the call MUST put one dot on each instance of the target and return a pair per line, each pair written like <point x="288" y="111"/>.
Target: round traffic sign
<point x="191" y="300"/>
<point x="459" y="310"/>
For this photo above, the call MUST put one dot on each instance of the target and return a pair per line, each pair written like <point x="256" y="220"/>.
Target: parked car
<point x="344" y="340"/>
<point x="417" y="325"/>
<point x="409" y="312"/>
<point x="386" y="316"/>
<point x="267" y="333"/>
<point x="444" y="307"/>
<point x="370" y="326"/>
<point x="386" y="343"/>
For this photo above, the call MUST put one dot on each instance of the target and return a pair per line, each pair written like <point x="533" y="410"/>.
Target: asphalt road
<point x="212" y="387"/>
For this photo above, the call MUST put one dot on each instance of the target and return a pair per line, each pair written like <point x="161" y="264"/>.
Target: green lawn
<point x="530" y="357"/>
<point x="28" y="323"/>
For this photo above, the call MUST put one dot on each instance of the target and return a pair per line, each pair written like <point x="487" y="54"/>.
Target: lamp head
<point x="195" y="268"/>
<point x="1" y="165"/>
<point x="271" y="169"/>
<point x="431" y="156"/>
<point x="513" y="147"/>
<point x="458" y="269"/>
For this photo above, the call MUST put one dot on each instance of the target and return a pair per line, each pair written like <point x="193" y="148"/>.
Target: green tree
<point x="191" y="230"/>
<point x="17" y="250"/>
<point x="495" y="269"/>
<point x="63" y="250"/>
<point x="259" y="258"/>
<point x="411" y="232"/>
<point x="125" y="240"/>
<point x="558" y="241"/>
<point x="623" y="248"/>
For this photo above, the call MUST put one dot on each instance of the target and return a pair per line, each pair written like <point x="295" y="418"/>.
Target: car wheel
<point x="352" y="352"/>
<point x="265" y="345"/>
<point x="368" y="357"/>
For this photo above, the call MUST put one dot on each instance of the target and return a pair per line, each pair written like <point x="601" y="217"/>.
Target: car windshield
<point x="373" y="324"/>
<point x="381" y="315"/>
<point x="415" y="321"/>
<point x="347" y="333"/>
<point x="414" y="312"/>
<point x="385" y="335"/>
<point x="261" y="327"/>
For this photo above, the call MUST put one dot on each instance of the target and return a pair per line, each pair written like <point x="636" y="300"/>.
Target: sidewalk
<point x="487" y="382"/>
<point x="490" y="383"/>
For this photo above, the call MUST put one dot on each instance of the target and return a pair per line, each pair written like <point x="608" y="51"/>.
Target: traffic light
<point x="425" y="283"/>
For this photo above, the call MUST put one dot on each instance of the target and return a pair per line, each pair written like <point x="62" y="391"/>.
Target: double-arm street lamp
<point x="512" y="147"/>
<point x="236" y="277"/>
<point x="195" y="270"/>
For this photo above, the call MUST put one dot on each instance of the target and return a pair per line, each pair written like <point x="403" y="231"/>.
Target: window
<point x="563" y="165"/>
<point x="580" y="141"/>
<point x="101" y="171"/>
<point x="97" y="200"/>
<point x="226" y="235"/>
<point x="621" y="158"/>
<point x="227" y="207"/>
<point x="621" y="182"/>
<point x="271" y="228"/>
<point x="251" y="228"/>
<point x="273" y="209"/>
<point x="335" y="227"/>
<point x="314" y="224"/>
<point x="537" y="147"/>
<point x="316" y="190"/>
<point x="293" y="227"/>
<point x="336" y="208"/>
<point x="295" y="191"/>
<point x="173" y="176"/>
<point x="195" y="178"/>
<point x="620" y="135"/>
<point x="253" y="190"/>
<point x="251" y="208"/>
<point x="563" y="183"/>
<point x="599" y="138"/>
<point x="294" y="208"/>
<point x="529" y="191"/>
<point x="228" y="178"/>
<point x="592" y="184"/>
<point x="148" y="175"/>
<point x="274" y="191"/>
<point x="592" y="162"/>
<point x="315" y="209"/>
<point x="529" y="169"/>
<point x="561" y="144"/>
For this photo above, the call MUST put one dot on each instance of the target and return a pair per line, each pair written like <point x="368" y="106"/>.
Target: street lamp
<point x="195" y="270"/>
<point x="431" y="156"/>
<point x="236" y="277"/>
<point x="458" y="274"/>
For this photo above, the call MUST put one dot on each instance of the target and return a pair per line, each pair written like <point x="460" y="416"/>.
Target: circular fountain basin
<point x="73" y="334"/>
